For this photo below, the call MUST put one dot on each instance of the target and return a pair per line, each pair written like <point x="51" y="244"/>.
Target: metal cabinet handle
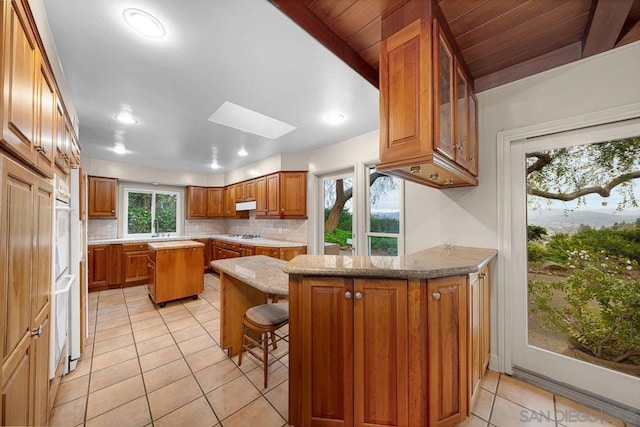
<point x="436" y="295"/>
<point x="483" y="275"/>
<point x="347" y="295"/>
<point x="37" y="331"/>
<point x="358" y="295"/>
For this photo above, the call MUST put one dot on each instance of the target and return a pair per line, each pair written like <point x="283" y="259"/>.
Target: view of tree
<point x="140" y="220"/>
<point x="571" y="173"/>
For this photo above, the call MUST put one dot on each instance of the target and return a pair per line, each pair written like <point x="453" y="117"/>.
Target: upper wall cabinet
<point x="196" y="202"/>
<point x="427" y="128"/>
<point x="282" y="195"/>
<point x="102" y="197"/>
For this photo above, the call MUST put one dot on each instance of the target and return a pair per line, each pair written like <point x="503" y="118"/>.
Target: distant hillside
<point x="559" y="220"/>
<point x="392" y="215"/>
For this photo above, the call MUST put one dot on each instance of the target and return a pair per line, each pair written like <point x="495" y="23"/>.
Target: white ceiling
<point x="242" y="51"/>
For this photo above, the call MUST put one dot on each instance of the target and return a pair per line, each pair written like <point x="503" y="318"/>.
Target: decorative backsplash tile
<point x="99" y="229"/>
<point x="205" y="226"/>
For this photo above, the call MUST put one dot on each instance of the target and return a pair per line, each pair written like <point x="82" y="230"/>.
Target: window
<point x="151" y="212"/>
<point x="384" y="215"/>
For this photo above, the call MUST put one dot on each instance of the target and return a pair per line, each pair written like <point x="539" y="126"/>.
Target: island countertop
<point x="261" y="272"/>
<point x="440" y="261"/>
<point x="176" y="244"/>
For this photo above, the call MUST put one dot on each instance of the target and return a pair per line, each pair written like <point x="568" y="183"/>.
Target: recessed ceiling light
<point x="243" y="152"/>
<point x="144" y="23"/>
<point x="126" y="118"/>
<point x="334" y="118"/>
<point x="237" y="117"/>
<point x="215" y="165"/>
<point x="119" y="149"/>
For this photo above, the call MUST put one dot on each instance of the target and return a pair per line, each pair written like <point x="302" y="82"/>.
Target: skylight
<point x="237" y="117"/>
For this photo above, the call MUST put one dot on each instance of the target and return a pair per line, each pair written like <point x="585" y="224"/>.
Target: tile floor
<point x="147" y="366"/>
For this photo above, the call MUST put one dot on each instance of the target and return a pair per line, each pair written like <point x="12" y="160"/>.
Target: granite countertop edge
<point x="440" y="261"/>
<point x="247" y="242"/>
<point x="274" y="282"/>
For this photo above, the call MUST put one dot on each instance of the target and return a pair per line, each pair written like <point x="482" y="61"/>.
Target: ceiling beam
<point x="607" y="20"/>
<point x="304" y="18"/>
<point x="558" y="57"/>
<point x="632" y="35"/>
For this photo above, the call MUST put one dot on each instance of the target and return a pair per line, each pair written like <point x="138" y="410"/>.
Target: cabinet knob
<point x="436" y="295"/>
<point x="347" y="295"/>
<point x="113" y="211"/>
<point x="37" y="331"/>
<point x="483" y="275"/>
<point x="358" y="295"/>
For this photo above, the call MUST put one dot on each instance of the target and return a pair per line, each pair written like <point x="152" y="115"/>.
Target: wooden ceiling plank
<point x="512" y="18"/>
<point x="562" y="56"/>
<point x="632" y="35"/>
<point x="372" y="55"/>
<point x="454" y="9"/>
<point x="359" y="14"/>
<point x="328" y="10"/>
<point x="512" y="36"/>
<point x="309" y="22"/>
<point x="606" y="24"/>
<point x="480" y="15"/>
<point x="366" y="36"/>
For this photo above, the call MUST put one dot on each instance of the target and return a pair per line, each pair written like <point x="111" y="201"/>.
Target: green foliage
<point x="384" y="246"/>
<point x="139" y="220"/>
<point x="338" y="236"/>
<point x="536" y="252"/>
<point x="601" y="308"/>
<point x="535" y="232"/>
<point x="139" y="213"/>
<point x="383" y="224"/>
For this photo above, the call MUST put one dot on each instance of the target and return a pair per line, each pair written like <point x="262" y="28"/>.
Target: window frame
<point x="153" y="193"/>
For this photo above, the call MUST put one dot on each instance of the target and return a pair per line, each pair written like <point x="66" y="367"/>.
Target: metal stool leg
<point x="265" y="352"/>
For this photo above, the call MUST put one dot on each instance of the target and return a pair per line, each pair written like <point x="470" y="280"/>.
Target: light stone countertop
<point x="441" y="261"/>
<point x="248" y="242"/>
<point x="262" y="272"/>
<point x="179" y="244"/>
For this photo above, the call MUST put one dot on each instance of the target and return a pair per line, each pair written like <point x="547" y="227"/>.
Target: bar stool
<point x="265" y="319"/>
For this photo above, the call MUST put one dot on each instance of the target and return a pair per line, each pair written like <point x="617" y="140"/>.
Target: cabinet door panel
<point x="15" y="394"/>
<point x="215" y="202"/>
<point x="19" y="100"/>
<point x="261" y="196"/>
<point x="46" y="121"/>
<point x="485" y="319"/>
<point x="97" y="266"/>
<point x="473" y="134"/>
<point x="42" y="262"/>
<point x="40" y="370"/>
<point x="102" y="197"/>
<point x="443" y="90"/>
<point x="196" y="202"/>
<point x="447" y="349"/>
<point x="327" y="375"/>
<point x="474" y="338"/>
<point x="461" y="119"/>
<point x="381" y="349"/>
<point x="293" y="194"/>
<point x="273" y="195"/>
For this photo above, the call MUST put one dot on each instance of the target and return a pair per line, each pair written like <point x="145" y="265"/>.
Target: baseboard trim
<point x="586" y="398"/>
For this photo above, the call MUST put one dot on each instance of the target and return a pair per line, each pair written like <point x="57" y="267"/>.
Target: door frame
<point x="503" y="362"/>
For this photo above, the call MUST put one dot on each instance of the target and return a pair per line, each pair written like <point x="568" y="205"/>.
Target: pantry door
<point x="534" y="349"/>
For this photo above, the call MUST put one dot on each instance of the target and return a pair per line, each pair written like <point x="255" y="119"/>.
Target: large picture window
<point x="150" y="213"/>
<point x="384" y="214"/>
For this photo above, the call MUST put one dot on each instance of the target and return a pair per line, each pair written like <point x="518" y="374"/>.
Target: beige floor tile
<point x="113" y="357"/>
<point x="216" y="375"/>
<point x="88" y="351"/>
<point x="101" y="326"/>
<point x="171" y="307"/>
<point x="69" y="414"/>
<point x="154" y="344"/>
<point x="483" y="404"/>
<point x="196" y="344"/>
<point x="120" y="314"/>
<point x="173" y="396"/>
<point x="112" y="344"/>
<point x="508" y="414"/>
<point x="182" y="323"/>
<point x="72" y="389"/>
<point x="143" y="315"/>
<point x="195" y="414"/>
<point x="249" y="363"/>
<point x="146" y="324"/>
<point x="257" y="413"/>
<point x="526" y="395"/>
<point x="160" y="357"/>
<point x="277" y="374"/>
<point x="166" y="374"/>
<point x="207" y="316"/>
<point x="188" y="333"/>
<point x="82" y="368"/>
<point x="176" y="315"/>
<point x="232" y="396"/>
<point x="133" y="414"/>
<point x="115" y="395"/>
<point x="279" y="398"/>
<point x="147" y="334"/>
<point x="212" y="325"/>
<point x="113" y="333"/>
<point x="203" y="307"/>
<point x="114" y="374"/>
<point x="473" y="421"/>
<point x="490" y="381"/>
<point x="569" y="413"/>
<point x="205" y="358"/>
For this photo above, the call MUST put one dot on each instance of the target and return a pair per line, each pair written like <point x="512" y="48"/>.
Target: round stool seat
<point x="268" y="314"/>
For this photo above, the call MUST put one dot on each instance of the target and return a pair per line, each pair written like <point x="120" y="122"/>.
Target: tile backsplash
<point x="293" y="230"/>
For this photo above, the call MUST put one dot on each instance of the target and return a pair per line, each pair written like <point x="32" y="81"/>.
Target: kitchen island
<point x="387" y="340"/>
<point x="245" y="282"/>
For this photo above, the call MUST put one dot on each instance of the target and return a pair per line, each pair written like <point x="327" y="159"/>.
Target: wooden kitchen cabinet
<point x="62" y="157"/>
<point x="284" y="253"/>
<point x="267" y="251"/>
<point x="479" y="331"/>
<point x="46" y="119"/>
<point x="206" y="252"/>
<point x="26" y="213"/>
<point x="246" y="191"/>
<point x="273" y="195"/>
<point x="447" y="343"/>
<point x="423" y="136"/>
<point x="98" y="264"/>
<point x="102" y="197"/>
<point x="362" y="327"/>
<point x="215" y="202"/>
<point x="282" y="195"/>
<point x="196" y="202"/>
<point x="177" y="270"/>
<point x="134" y="264"/>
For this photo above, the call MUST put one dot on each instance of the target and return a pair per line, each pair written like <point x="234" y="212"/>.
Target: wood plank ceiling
<point x="500" y="40"/>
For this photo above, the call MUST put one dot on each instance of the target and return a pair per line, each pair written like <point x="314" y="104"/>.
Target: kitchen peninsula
<point x="388" y="340"/>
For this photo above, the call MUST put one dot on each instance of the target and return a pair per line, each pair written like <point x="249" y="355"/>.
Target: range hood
<point x="246" y="206"/>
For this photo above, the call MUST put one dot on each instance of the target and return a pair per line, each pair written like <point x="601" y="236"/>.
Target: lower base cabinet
<point x="377" y="352"/>
<point x="175" y="273"/>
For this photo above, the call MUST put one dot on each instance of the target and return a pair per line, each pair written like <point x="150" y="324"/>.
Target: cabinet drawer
<point x="225" y="254"/>
<point x="226" y="245"/>
<point x="268" y="251"/>
<point x="135" y="247"/>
